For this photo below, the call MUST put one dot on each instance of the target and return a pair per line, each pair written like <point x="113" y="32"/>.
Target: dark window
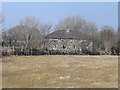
<point x="74" y="46"/>
<point x="63" y="47"/>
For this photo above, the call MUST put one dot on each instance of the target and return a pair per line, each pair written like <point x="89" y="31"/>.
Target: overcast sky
<point x="101" y="13"/>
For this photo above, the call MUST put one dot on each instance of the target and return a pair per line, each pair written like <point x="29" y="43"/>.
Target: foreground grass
<point x="71" y="71"/>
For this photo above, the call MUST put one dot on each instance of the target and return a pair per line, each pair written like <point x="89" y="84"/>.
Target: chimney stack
<point x="67" y="29"/>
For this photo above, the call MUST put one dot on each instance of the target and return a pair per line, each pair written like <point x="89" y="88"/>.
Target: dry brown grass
<point x="73" y="71"/>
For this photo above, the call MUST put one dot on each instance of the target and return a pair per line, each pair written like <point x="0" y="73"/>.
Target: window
<point x="63" y="47"/>
<point x="74" y="46"/>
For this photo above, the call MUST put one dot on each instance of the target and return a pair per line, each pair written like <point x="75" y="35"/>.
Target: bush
<point x="86" y="52"/>
<point x="115" y="50"/>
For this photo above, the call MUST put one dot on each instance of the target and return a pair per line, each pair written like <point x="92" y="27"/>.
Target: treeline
<point x="29" y="36"/>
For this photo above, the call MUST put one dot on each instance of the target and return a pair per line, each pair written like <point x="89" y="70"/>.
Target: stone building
<point x="67" y="41"/>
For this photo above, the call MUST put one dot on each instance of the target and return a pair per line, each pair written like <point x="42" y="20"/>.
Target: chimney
<point x="67" y="29"/>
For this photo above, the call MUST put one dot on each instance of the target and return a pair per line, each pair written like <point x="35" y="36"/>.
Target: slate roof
<point x="63" y="34"/>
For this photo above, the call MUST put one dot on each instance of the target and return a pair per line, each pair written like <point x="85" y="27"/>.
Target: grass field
<point x="61" y="71"/>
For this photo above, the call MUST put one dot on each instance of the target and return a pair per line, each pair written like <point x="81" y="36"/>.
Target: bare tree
<point x="74" y="23"/>
<point x="30" y="33"/>
<point x="35" y="29"/>
<point x="45" y="29"/>
<point x="29" y="21"/>
<point x="1" y="23"/>
<point x="118" y="34"/>
<point x="108" y="37"/>
<point x="77" y="23"/>
<point x="33" y="22"/>
<point x="1" y="19"/>
<point x="24" y="33"/>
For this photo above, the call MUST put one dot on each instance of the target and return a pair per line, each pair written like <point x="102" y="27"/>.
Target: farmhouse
<point x="58" y="42"/>
<point x="67" y="41"/>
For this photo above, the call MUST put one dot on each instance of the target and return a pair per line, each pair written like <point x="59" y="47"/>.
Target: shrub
<point x="115" y="50"/>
